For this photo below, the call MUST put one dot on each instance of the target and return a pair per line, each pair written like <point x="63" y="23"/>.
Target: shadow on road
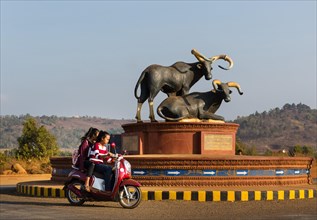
<point x="52" y="204"/>
<point x="9" y="190"/>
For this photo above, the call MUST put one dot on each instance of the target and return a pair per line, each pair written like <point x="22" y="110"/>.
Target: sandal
<point x="87" y="188"/>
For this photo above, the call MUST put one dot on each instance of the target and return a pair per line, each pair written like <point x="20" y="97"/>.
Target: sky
<point x="83" y="58"/>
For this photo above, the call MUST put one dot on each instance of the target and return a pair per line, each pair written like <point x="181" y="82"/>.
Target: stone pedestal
<point x="197" y="154"/>
<point x="202" y="138"/>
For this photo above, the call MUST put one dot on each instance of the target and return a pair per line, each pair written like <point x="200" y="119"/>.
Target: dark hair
<point x="91" y="132"/>
<point x="101" y="135"/>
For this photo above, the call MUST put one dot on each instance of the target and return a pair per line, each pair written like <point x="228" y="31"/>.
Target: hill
<point x="67" y="130"/>
<point x="274" y="130"/>
<point x="279" y="128"/>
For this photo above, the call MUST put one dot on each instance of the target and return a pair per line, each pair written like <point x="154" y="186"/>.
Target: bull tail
<point x="138" y="84"/>
<point x="159" y="112"/>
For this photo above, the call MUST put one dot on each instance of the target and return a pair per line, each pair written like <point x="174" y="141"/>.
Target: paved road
<point x="13" y="206"/>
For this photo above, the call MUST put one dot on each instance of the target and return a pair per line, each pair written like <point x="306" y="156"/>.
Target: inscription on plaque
<point x="130" y="143"/>
<point x="217" y="142"/>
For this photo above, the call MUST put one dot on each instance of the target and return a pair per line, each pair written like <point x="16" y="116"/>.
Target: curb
<point x="201" y="196"/>
<point x="229" y="196"/>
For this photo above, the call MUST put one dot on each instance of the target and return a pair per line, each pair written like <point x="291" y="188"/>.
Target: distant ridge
<point x="67" y="130"/>
<point x="280" y="128"/>
<point x="274" y="129"/>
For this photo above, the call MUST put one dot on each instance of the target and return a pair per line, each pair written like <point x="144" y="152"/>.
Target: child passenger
<point x="87" y="141"/>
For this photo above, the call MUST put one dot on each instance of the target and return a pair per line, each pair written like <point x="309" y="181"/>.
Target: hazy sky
<point x="69" y="58"/>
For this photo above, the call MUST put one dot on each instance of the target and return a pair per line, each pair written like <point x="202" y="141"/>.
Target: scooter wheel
<point x="131" y="197"/>
<point x="71" y="196"/>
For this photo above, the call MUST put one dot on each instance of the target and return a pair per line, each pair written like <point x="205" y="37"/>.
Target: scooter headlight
<point x="127" y="166"/>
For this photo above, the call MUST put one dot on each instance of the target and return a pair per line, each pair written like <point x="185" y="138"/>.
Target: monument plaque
<point x="131" y="143"/>
<point x="219" y="143"/>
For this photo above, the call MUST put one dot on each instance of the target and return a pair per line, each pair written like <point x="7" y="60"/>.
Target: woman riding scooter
<point x="97" y="154"/>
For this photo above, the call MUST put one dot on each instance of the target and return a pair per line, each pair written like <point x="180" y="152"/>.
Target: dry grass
<point x="31" y="166"/>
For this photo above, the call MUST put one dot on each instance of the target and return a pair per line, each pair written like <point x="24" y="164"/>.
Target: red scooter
<point x="124" y="189"/>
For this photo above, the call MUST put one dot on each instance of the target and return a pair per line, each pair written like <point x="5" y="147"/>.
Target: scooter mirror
<point x="113" y="145"/>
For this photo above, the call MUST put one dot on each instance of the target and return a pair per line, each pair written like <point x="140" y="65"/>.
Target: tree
<point x="240" y="147"/>
<point x="308" y="151"/>
<point x="297" y="149"/>
<point x="268" y="153"/>
<point x="36" y="142"/>
<point x="251" y="151"/>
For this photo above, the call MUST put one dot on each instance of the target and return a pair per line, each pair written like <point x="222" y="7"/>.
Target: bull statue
<point x="173" y="80"/>
<point x="197" y="105"/>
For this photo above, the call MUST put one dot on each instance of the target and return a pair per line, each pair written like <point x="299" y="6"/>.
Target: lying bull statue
<point x="173" y="80"/>
<point x="197" y="105"/>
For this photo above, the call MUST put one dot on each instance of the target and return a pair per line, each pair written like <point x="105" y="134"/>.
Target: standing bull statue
<point x="173" y="80"/>
<point x="197" y="105"/>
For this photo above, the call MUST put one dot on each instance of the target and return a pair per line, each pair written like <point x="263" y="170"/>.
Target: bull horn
<point x="199" y="56"/>
<point x="236" y="85"/>
<point x="223" y="57"/>
<point x="215" y="83"/>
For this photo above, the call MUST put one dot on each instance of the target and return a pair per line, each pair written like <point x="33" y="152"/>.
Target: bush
<point x="36" y="142"/>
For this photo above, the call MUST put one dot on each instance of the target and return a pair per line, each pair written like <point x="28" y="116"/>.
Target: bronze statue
<point x="173" y="80"/>
<point x="197" y="105"/>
